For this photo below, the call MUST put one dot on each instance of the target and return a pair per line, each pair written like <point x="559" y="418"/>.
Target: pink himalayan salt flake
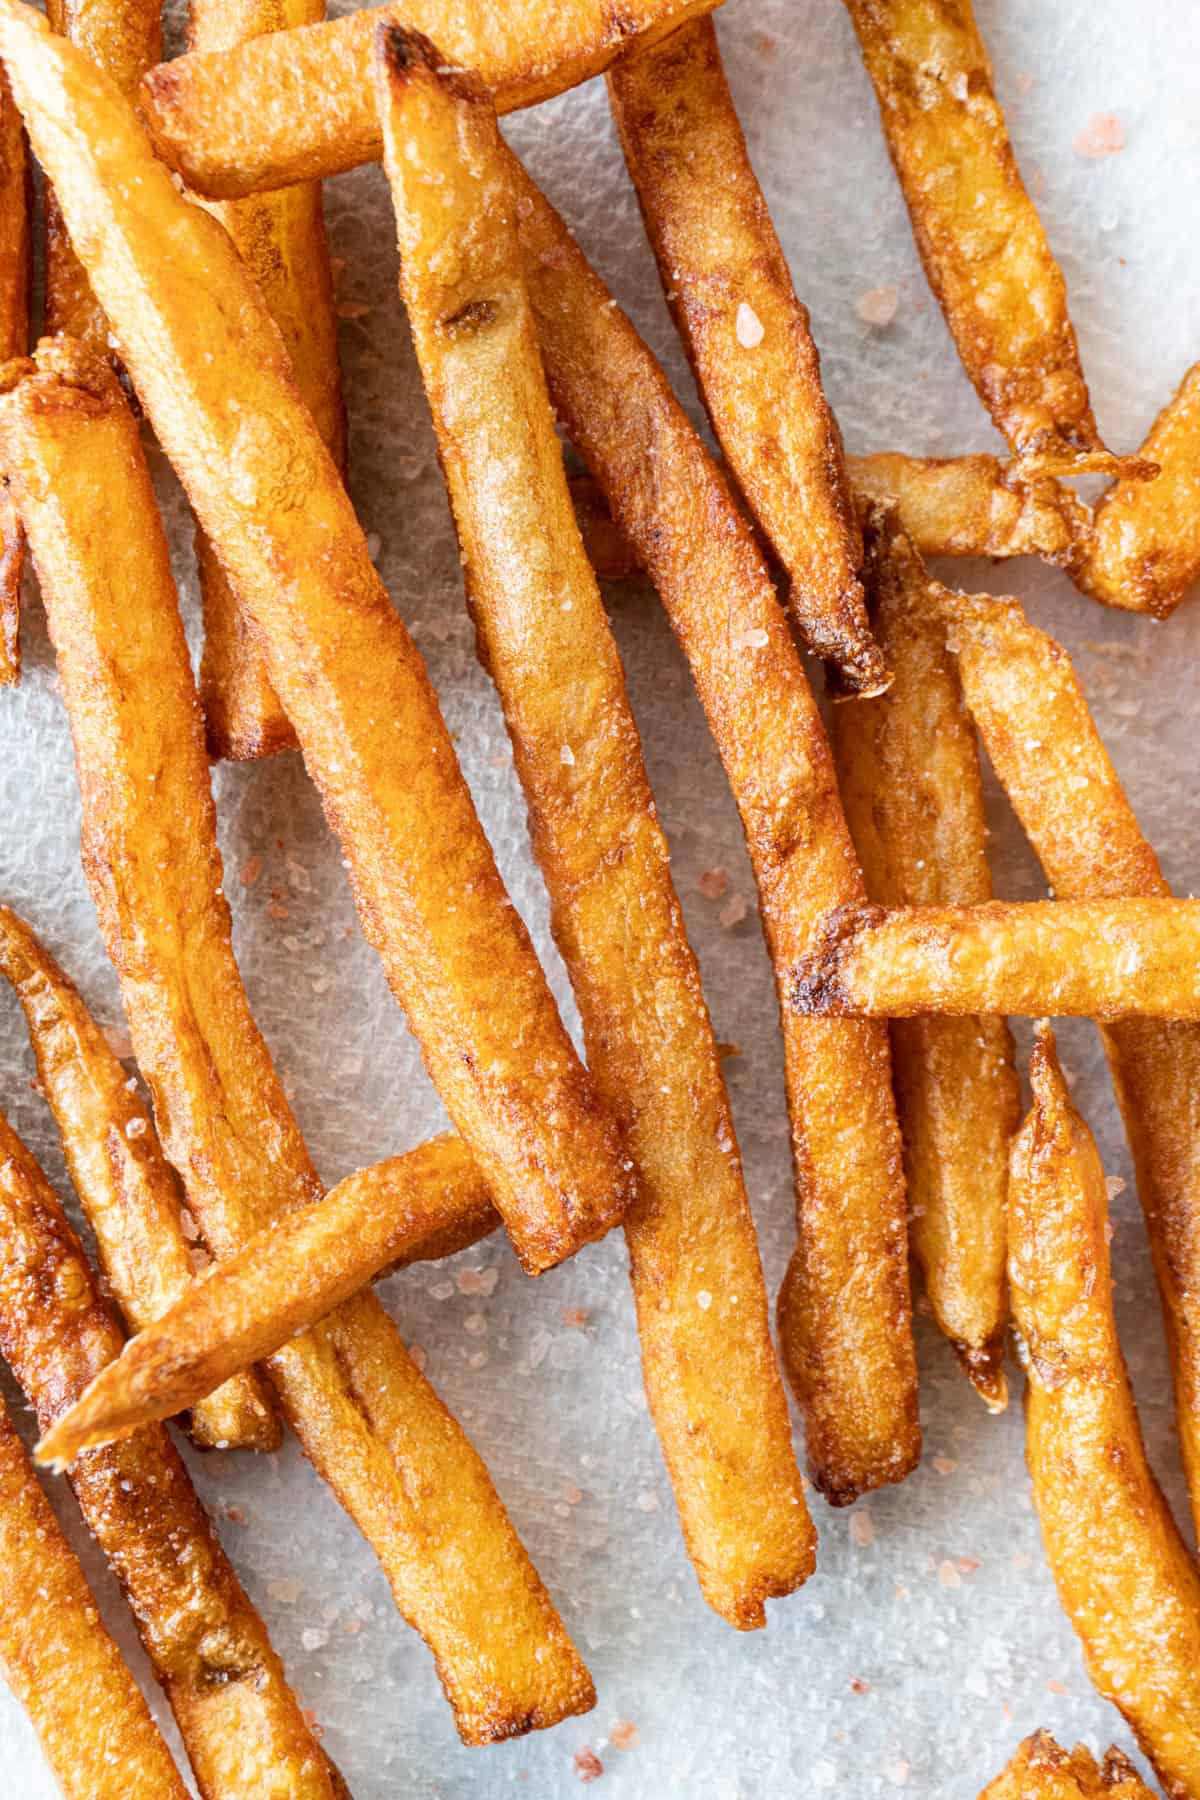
<point x="646" y="1501"/>
<point x="1056" y="1687"/>
<point x="119" y="1041"/>
<point x="235" y="1514"/>
<point x="623" y="1734"/>
<point x="969" y="1564"/>
<point x="250" y="871"/>
<point x="1024" y="81"/>
<point x="351" y="1627"/>
<point x="878" y="305"/>
<point x="948" y="1575"/>
<point x="588" y="1766"/>
<point x="478" y="1359"/>
<point x="945" y="1465"/>
<point x="713" y="883"/>
<point x="734" y="913"/>
<point x="572" y="1495"/>
<point x="862" y="1529"/>
<point x="1115" y="1186"/>
<point x="477" y="1281"/>
<point x="1103" y="135"/>
<point x="574" y="1317"/>
<point x="748" y="327"/>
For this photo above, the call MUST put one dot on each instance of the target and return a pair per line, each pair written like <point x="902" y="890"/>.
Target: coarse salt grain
<point x="313" y="1638"/>
<point x="748" y="326"/>
<point x="136" y="1128"/>
<point x="704" y="1299"/>
<point x="734" y="913"/>
<point x="623" y="1734"/>
<point x="945" y="1465"/>
<point x="1115" y="1186"/>
<point x="574" y="1317"/>
<point x="566" y="756"/>
<point x="588" y="1766"/>
<point x="878" y="305"/>
<point x="1056" y="1687"/>
<point x="1103" y="135"/>
<point x="420" y="1357"/>
<point x="477" y="1281"/>
<point x="948" y="1575"/>
<point x="713" y="883"/>
<point x="862" y="1529"/>
<point x="646" y="1501"/>
<point x="475" y="1324"/>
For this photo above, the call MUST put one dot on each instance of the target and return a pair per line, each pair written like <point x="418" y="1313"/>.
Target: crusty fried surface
<point x="975" y="506"/>
<point x="14" y="341"/>
<point x="1042" y="1770"/>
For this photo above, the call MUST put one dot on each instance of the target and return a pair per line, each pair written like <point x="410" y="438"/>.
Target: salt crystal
<point x="477" y="1359"/>
<point x="419" y="1355"/>
<point x="1103" y="135"/>
<point x="734" y="913"/>
<point x="646" y="1501"/>
<point x="567" y="756"/>
<point x="623" y="1734"/>
<point x="572" y="1495"/>
<point x="704" y="1299"/>
<point x="1056" y="1687"/>
<point x="441" y="1290"/>
<point x="374" y="545"/>
<point x="475" y="1324"/>
<point x="862" y="1529"/>
<point x="477" y="1281"/>
<point x="878" y="305"/>
<point x="574" y="1317"/>
<point x="948" y="1575"/>
<point x="945" y="1465"/>
<point x="119" y="1041"/>
<point x="588" y="1766"/>
<point x="959" y="85"/>
<point x="748" y="326"/>
<point x="313" y="1638"/>
<point x="1024" y="81"/>
<point x="713" y="883"/>
<point x="1115" y="1186"/>
<point x="136" y="1128"/>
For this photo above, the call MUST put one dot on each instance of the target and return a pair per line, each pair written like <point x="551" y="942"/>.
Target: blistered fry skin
<point x="297" y="105"/>
<point x="57" y="1658"/>
<point x="365" y="1415"/>
<point x="240" y="1722"/>
<point x="127" y="1188"/>
<point x="844" y="1314"/>
<point x="206" y="358"/>
<point x="712" y="1381"/>
<point x="428" y="1203"/>
<point x="983" y="246"/>
<point x="281" y="239"/>
<point x="14" y="341"/>
<point x="1043" y="1770"/>
<point x="1098" y="959"/>
<point x="1124" y="1575"/>
<point x="746" y="333"/>
<point x="975" y="506"/>
<point x="909" y="775"/>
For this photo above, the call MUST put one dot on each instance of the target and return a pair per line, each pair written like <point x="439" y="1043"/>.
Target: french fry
<point x="1124" y="1576"/>
<point x="1097" y="959"/>
<point x="55" y="1654"/>
<point x="428" y="1203"/>
<point x="844" y="1314"/>
<point x="975" y="506"/>
<point x="243" y="1729"/>
<point x="712" y="1381"/>
<point x="909" y="775"/>
<point x="281" y="239"/>
<point x="14" y="341"/>
<point x="297" y="104"/>
<point x="205" y="358"/>
<point x="1042" y="1770"/>
<point x="747" y="335"/>
<point x="366" y="1417"/>
<point x="127" y="1188"/>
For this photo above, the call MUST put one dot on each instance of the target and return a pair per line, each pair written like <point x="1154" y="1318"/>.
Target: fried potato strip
<point x="240" y="1722"/>
<point x="1043" y="1770"/>
<point x="844" y="1316"/>
<point x="298" y="104"/>
<point x="1098" y="959"/>
<point x="127" y="1188"/>
<point x="909" y="775"/>
<point x="55" y="1654"/>
<point x="206" y="360"/>
<point x="1124" y="1575"/>
<point x="747" y="335"/>
<point x="365" y="1415"/>
<point x="712" y="1381"/>
<point x="14" y="341"/>
<point x="975" y="506"/>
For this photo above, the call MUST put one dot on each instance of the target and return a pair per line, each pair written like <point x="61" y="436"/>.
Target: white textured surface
<point x="956" y="1673"/>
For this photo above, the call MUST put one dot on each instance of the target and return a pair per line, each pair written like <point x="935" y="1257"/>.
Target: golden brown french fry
<point x="1144" y="550"/>
<point x="427" y="1203"/>
<point x="55" y="1654"/>
<point x="1124" y="1576"/>
<point x="127" y="1188"/>
<point x="1042" y="1770"/>
<point x="712" y="1381"/>
<point x="14" y="341"/>
<point x="909" y="774"/>
<point x="367" y="1418"/>
<point x="975" y="506"/>
<point x="243" y="1729"/>
<point x="1099" y="959"/>
<point x="983" y="246"/>
<point x="281" y="239"/>
<point x="844" y="1313"/>
<point x="206" y="357"/>
<point x="298" y="104"/>
<point x="747" y="335"/>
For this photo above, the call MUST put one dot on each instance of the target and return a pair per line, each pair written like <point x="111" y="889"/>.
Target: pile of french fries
<point x="188" y="280"/>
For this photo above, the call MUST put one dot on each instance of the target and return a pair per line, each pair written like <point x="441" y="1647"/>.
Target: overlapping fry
<point x="711" y="1377"/>
<point x="243" y="1729"/>
<point x="975" y="506"/>
<point x="55" y="1654"/>
<point x="844" y="1314"/>
<point x="297" y="105"/>
<point x="366" y="1417"/>
<point x="14" y="341"/>
<point x="1124" y="1575"/>
<point x="126" y="1186"/>
<point x="731" y="295"/>
<point x="1042" y="1770"/>
<point x="909" y="775"/>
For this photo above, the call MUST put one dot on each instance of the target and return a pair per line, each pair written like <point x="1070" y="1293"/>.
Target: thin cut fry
<point x="240" y="1722"/>
<point x="976" y="506"/>
<point x="983" y="246"/>
<point x="909" y="775"/>
<point x="1124" y="1576"/>
<point x="127" y="1188"/>
<point x="206" y="358"/>
<point x="1097" y="959"/>
<point x="1042" y="1770"/>
<point x="712" y="1380"/>
<point x="757" y="368"/>
<point x="298" y="104"/>
<point x="428" y="1203"/>
<point x="14" y="341"/>
<point x="55" y="1654"/>
<point x="844" y="1314"/>
<point x="365" y="1415"/>
<point x="281" y="239"/>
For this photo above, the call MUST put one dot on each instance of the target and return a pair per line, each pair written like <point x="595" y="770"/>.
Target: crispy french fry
<point x="1098" y="959"/>
<point x="205" y="357"/>
<point x="712" y="1381"/>
<point x="1124" y="1576"/>
<point x="297" y="104"/>
<point x="428" y="1203"/>
<point x="243" y="1729"/>
<point x="975" y="506"/>
<point x="844" y="1313"/>
<point x="368" y="1420"/>
<point x="909" y="775"/>
<point x="1042" y="1770"/>
<point x="14" y="341"/>
<point x="127" y="1188"/>
<point x="281" y="239"/>
<point x="731" y="295"/>
<point x="56" y="1656"/>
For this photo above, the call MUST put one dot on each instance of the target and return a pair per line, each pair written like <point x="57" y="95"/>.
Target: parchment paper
<point x="929" y="1641"/>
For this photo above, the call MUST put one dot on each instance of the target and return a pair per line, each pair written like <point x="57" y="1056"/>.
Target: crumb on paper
<point x="727" y="1052"/>
<point x="1103" y="135"/>
<point x="713" y="883"/>
<point x="748" y="326"/>
<point x="862" y="1529"/>
<point x="858" y="1685"/>
<point x="236" y="1515"/>
<point x="588" y="1766"/>
<point x="877" y="307"/>
<point x="623" y="1734"/>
